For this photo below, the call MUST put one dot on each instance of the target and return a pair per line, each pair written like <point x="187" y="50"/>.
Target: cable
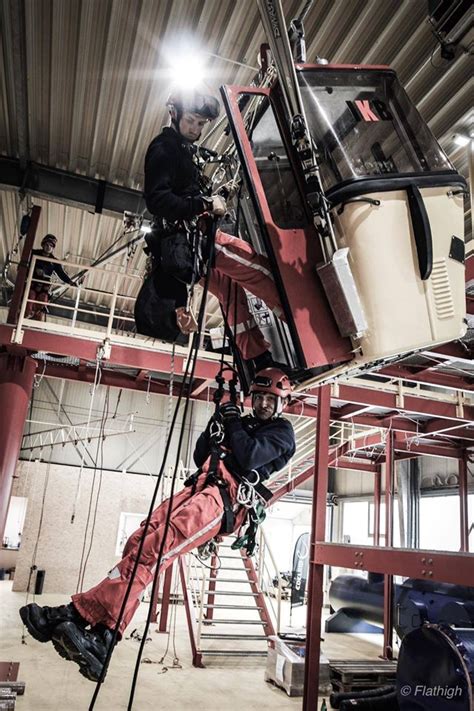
<point x="195" y="345"/>
<point x="194" y="350"/>
<point x="33" y="566"/>
<point x="100" y="453"/>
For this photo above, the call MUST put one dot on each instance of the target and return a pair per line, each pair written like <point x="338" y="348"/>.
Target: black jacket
<point x="44" y="270"/>
<point x="254" y="444"/>
<point x="172" y="189"/>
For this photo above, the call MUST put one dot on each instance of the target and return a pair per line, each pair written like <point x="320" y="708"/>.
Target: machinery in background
<point x="359" y="604"/>
<point x="435" y="669"/>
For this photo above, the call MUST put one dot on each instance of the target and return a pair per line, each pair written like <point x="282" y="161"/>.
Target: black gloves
<point x="229" y="411"/>
<point x="230" y="415"/>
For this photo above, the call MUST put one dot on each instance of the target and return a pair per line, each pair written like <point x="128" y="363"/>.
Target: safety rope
<point x="187" y="379"/>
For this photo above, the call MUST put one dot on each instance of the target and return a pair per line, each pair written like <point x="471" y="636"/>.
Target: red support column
<point x="318" y="534"/>
<point x="377" y="499"/>
<point x="388" y="579"/>
<point x="463" y="502"/>
<point x="16" y="383"/>
<point x="23" y="267"/>
<point x="165" y="600"/>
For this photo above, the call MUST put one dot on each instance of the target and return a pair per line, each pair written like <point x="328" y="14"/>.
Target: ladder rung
<point x="206" y="635"/>
<point x="236" y="622"/>
<point x="231" y="592"/>
<point x="234" y="607"/>
<point x="225" y="567"/>
<point x="234" y="652"/>
<point x="232" y="580"/>
<point x="230" y="557"/>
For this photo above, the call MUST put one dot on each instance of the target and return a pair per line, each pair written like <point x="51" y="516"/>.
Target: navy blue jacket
<point x="44" y="270"/>
<point x="172" y="189"/>
<point x="254" y="444"/>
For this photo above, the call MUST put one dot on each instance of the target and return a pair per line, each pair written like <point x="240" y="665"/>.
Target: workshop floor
<point x="234" y="684"/>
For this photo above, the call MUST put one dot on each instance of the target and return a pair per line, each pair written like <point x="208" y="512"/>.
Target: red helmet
<point x="275" y="381"/>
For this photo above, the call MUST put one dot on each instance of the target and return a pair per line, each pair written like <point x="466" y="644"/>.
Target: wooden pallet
<point x="357" y="675"/>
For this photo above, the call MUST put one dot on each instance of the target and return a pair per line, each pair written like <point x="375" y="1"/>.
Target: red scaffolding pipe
<point x="22" y="271"/>
<point x="388" y="579"/>
<point x="318" y="533"/>
<point x="463" y="503"/>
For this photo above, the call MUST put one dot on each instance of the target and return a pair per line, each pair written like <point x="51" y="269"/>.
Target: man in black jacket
<point x="254" y="447"/>
<point x="41" y="282"/>
<point x="176" y="195"/>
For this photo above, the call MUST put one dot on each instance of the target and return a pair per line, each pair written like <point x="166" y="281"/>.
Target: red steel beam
<point x="316" y="572"/>
<point x="463" y="504"/>
<point x="22" y="271"/>
<point x="388" y="579"/>
<point x="457" y="568"/>
<point x="427" y="375"/>
<point x="412" y="404"/>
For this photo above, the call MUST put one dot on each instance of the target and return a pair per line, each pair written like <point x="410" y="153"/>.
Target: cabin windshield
<point x="364" y="125"/>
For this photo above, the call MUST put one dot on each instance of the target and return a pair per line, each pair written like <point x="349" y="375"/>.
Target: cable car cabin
<point x="395" y="282"/>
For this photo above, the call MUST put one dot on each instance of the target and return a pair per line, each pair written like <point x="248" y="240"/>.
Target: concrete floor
<point x="236" y="684"/>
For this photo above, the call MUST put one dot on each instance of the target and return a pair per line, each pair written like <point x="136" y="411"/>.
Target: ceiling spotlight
<point x="188" y="71"/>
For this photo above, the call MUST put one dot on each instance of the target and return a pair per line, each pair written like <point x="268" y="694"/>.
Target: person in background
<point x="41" y="282"/>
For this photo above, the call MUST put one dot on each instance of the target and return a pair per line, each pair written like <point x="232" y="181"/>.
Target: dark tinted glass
<point x="364" y="124"/>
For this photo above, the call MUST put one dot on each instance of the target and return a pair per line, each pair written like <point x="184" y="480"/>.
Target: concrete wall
<point x="60" y="543"/>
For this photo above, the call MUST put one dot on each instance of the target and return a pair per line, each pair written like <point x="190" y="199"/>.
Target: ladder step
<point x="234" y="607"/>
<point x="230" y="557"/>
<point x="231" y="592"/>
<point x="234" y="652"/>
<point x="236" y="622"/>
<point x="232" y="580"/>
<point x="225" y="567"/>
<point x="205" y="635"/>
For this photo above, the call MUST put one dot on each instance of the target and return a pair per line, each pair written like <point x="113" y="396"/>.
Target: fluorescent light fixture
<point x="146" y="229"/>
<point x="461" y="139"/>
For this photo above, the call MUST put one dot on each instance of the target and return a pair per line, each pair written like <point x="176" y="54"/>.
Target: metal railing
<point x="96" y="313"/>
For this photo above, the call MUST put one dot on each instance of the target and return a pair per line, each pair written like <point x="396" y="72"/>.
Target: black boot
<point x="87" y="648"/>
<point x="41" y="621"/>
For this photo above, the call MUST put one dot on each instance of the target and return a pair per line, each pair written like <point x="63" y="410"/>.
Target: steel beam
<point x="412" y="404"/>
<point x="22" y="271"/>
<point x="316" y="571"/>
<point x="70" y="188"/>
<point x="463" y="504"/>
<point x="456" y="568"/>
<point x="388" y="579"/>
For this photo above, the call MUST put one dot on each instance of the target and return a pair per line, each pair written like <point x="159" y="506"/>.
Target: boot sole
<point x="34" y="632"/>
<point x="68" y="646"/>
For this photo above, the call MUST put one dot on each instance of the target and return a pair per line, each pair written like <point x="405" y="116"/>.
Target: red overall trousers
<point x="239" y="267"/>
<point x="195" y="519"/>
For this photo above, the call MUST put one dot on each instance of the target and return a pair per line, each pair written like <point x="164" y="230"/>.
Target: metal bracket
<point x="17" y="335"/>
<point x="104" y="350"/>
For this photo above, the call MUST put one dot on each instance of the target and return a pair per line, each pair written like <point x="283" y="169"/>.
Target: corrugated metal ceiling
<point x="85" y="90"/>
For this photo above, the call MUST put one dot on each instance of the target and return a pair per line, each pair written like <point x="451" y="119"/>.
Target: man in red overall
<point x="262" y="443"/>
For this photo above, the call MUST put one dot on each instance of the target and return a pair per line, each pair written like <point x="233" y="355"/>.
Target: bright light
<point x="460" y="139"/>
<point x="146" y="229"/>
<point x="187" y="71"/>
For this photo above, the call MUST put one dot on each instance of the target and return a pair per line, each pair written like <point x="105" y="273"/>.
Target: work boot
<point x="87" y="648"/>
<point x="41" y="621"/>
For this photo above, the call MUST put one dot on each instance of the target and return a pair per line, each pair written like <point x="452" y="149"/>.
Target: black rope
<point x="190" y="362"/>
<point x="194" y="350"/>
